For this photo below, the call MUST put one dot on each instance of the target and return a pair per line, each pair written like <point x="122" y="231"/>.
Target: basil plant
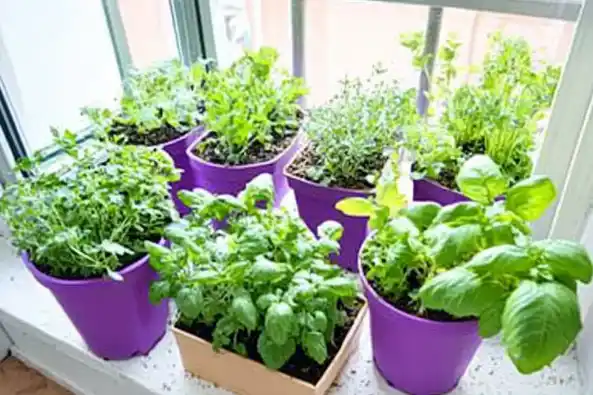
<point x="476" y="260"/>
<point x="264" y="279"/>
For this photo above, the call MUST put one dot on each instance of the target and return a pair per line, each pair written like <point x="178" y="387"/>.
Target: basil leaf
<point x="158" y="291"/>
<point x="481" y="180"/>
<point x="245" y="311"/>
<point x="422" y="214"/>
<point x="451" y="245"/>
<point x="267" y="271"/>
<point x="318" y="321"/>
<point x="340" y="286"/>
<point x="566" y="258"/>
<point x="275" y="355"/>
<point x="355" y="207"/>
<point x="459" y="292"/>
<point x="460" y="213"/>
<point x="279" y="322"/>
<point x="490" y="320"/>
<point x="539" y="323"/>
<point x="504" y="259"/>
<point x="189" y="301"/>
<point x="315" y="347"/>
<point x="530" y="198"/>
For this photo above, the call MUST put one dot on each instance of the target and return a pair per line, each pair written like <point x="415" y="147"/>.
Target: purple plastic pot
<point x="431" y="191"/>
<point x="230" y="180"/>
<point x="416" y="355"/>
<point x="115" y="319"/>
<point x="177" y="149"/>
<point x="316" y="204"/>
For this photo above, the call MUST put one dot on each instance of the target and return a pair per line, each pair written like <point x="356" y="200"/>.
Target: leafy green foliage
<point x="251" y="104"/>
<point x="476" y="260"/>
<point x="496" y="113"/>
<point x="264" y="275"/>
<point x="88" y="219"/>
<point x="166" y="98"/>
<point x="349" y="135"/>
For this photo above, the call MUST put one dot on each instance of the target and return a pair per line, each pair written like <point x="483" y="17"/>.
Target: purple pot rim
<point x="292" y="177"/>
<point x="177" y="139"/>
<point x="269" y="162"/>
<point x="46" y="278"/>
<point x="469" y="324"/>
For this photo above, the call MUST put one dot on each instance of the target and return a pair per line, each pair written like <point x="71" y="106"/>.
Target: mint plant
<point x="159" y="104"/>
<point x="252" y="109"/>
<point x="90" y="219"/>
<point x="263" y="278"/>
<point x="476" y="260"/>
<point x="496" y="113"/>
<point x="349" y="136"/>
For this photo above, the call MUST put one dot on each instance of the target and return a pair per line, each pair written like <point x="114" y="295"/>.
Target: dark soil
<point x="125" y="261"/>
<point x="447" y="176"/>
<point x="158" y="136"/>
<point x="408" y="305"/>
<point x="308" y="159"/>
<point x="209" y="149"/>
<point x="300" y="365"/>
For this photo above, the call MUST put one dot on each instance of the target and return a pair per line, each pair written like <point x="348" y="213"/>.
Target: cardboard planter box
<point x="246" y="377"/>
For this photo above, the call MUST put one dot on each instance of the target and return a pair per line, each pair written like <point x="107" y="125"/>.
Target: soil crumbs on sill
<point x="299" y="366"/>
<point x="307" y="160"/>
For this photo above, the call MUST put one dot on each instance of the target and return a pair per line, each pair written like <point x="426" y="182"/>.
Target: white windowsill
<point x="44" y="338"/>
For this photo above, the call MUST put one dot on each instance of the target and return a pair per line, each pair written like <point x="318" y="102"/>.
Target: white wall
<point x="585" y="342"/>
<point x="4" y="343"/>
<point x="57" y="56"/>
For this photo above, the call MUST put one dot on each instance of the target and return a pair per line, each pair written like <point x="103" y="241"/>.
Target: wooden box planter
<point x="246" y="377"/>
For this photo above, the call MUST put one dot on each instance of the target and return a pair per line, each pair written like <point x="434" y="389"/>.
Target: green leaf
<point x="422" y="214"/>
<point x="318" y="321"/>
<point x="530" y="198"/>
<point x="499" y="260"/>
<point x="331" y="230"/>
<point x="315" y="346"/>
<point x="279" y="322"/>
<point x="190" y="301"/>
<point x="340" y="286"/>
<point x="245" y="311"/>
<point x="459" y="292"/>
<point x="115" y="248"/>
<point x="490" y="320"/>
<point x="499" y="234"/>
<point x="403" y="226"/>
<point x="481" y="180"/>
<point x="451" y="245"/>
<point x="267" y="271"/>
<point x="566" y="258"/>
<point x="273" y="354"/>
<point x="156" y="250"/>
<point x="266" y="300"/>
<point x="539" y="323"/>
<point x="355" y="207"/>
<point x="158" y="291"/>
<point x="460" y="213"/>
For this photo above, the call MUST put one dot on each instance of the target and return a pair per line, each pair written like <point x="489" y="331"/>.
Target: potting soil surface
<point x="209" y="149"/>
<point x="158" y="136"/>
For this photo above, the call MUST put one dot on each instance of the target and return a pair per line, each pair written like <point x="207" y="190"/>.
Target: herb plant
<point x="252" y="108"/>
<point x="159" y="104"/>
<point x="89" y="219"/>
<point x="264" y="278"/>
<point x="349" y="136"/>
<point x="496" y="115"/>
<point x="476" y="260"/>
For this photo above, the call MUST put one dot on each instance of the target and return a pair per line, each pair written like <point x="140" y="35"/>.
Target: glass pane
<point x="149" y="30"/>
<point x="342" y="37"/>
<point x="57" y="56"/>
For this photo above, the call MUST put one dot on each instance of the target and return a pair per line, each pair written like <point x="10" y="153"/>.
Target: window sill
<point x="44" y="339"/>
